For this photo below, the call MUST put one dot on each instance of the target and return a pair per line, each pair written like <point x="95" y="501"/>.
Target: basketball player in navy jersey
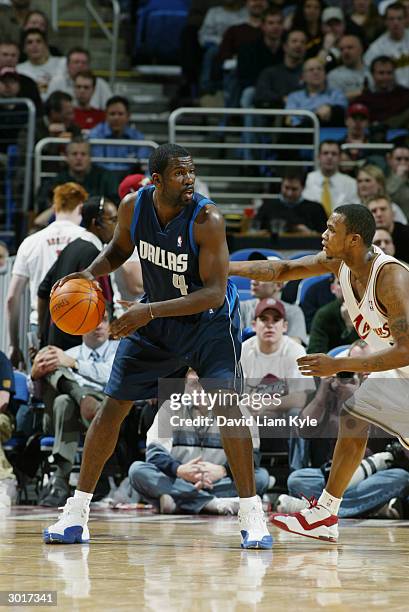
<point x="376" y="292"/>
<point x="189" y="316"/>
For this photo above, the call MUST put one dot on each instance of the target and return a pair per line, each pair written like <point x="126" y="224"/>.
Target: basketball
<point x="77" y="307"/>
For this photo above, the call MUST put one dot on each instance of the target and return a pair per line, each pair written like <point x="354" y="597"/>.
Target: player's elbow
<point x="216" y="298"/>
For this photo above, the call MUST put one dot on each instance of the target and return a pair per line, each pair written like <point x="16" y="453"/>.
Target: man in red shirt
<point x="85" y="115"/>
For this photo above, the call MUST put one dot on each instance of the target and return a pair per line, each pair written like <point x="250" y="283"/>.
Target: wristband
<point x="150" y="311"/>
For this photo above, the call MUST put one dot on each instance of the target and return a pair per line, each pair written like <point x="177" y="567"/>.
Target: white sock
<point x="83" y="497"/>
<point x="246" y="503"/>
<point x="370" y="465"/>
<point x="329" y="502"/>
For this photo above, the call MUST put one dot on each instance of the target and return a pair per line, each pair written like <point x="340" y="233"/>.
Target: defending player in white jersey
<point x="376" y="292"/>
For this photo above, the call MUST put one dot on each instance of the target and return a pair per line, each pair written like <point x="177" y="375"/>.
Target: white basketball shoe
<point x="71" y="527"/>
<point x="253" y="527"/>
<point x="313" y="522"/>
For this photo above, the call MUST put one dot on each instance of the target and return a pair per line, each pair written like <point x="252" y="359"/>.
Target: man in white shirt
<point x="36" y="255"/>
<point x="79" y="60"/>
<point x="78" y="376"/>
<point x="394" y="43"/>
<point x="328" y="185"/>
<point x="40" y="65"/>
<point x="270" y="356"/>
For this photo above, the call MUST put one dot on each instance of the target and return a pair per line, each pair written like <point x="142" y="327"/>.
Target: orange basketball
<point x="77" y="307"/>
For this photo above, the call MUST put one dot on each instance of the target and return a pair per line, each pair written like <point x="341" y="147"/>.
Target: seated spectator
<point x="13" y="115"/>
<point x="9" y="58"/>
<point x="384" y="241"/>
<point x="115" y="127"/>
<point x="365" y="15"/>
<point x="77" y="378"/>
<point x="307" y="18"/>
<point x="81" y="170"/>
<point x="186" y="470"/>
<point x="40" y="66"/>
<point x="86" y="116"/>
<point x="333" y="28"/>
<point x="371" y="183"/>
<point x="7" y="478"/>
<point x="99" y="217"/>
<point x="299" y="214"/>
<point x="79" y="60"/>
<point x="397" y="182"/>
<point x="12" y="18"/>
<point x="381" y="209"/>
<point x="388" y="102"/>
<point x="331" y="325"/>
<point x="276" y="82"/>
<point x="378" y="480"/>
<point x="357" y="122"/>
<point x="328" y="185"/>
<point x="319" y="294"/>
<point x="272" y="290"/>
<point x="328" y="104"/>
<point x="38" y="20"/>
<point x="217" y="20"/>
<point x="394" y="43"/>
<point x="349" y="77"/>
<point x="58" y="120"/>
<point x="36" y="255"/>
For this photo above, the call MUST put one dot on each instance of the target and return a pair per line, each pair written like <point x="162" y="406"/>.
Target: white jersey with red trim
<point x="369" y="320"/>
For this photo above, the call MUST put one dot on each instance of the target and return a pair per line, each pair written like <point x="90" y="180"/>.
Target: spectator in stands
<point x="328" y="104"/>
<point x="333" y="28"/>
<point x="13" y="115"/>
<point x="365" y="15"/>
<point x="9" y="57"/>
<point x="36" y="255"/>
<point x="381" y="209"/>
<point x="86" y="116"/>
<point x="265" y="51"/>
<point x="265" y="290"/>
<point x="271" y="353"/>
<point x="331" y="325"/>
<point x="394" y="43"/>
<point x="307" y="18"/>
<point x="299" y="214"/>
<point x="186" y="469"/>
<point x="12" y="18"/>
<point x="80" y="169"/>
<point x="217" y="20"/>
<point x="349" y="77"/>
<point x="58" y="120"/>
<point x="372" y="183"/>
<point x="388" y="102"/>
<point x="40" y="66"/>
<point x="99" y="217"/>
<point x="374" y="485"/>
<point x="115" y="127"/>
<point x="77" y="378"/>
<point x="79" y="60"/>
<point x="38" y="20"/>
<point x="357" y="123"/>
<point x="317" y="295"/>
<point x="384" y="241"/>
<point x="4" y="255"/>
<point x="327" y="185"/>
<point x="397" y="182"/>
<point x="276" y="82"/>
<point x="7" y="390"/>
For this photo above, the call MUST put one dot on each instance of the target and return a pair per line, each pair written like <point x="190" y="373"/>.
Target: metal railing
<point x="40" y="158"/>
<point x="54" y="15"/>
<point x="112" y="36"/>
<point x="232" y="148"/>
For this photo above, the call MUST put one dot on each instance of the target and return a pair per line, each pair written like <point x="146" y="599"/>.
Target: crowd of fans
<point x="346" y="62"/>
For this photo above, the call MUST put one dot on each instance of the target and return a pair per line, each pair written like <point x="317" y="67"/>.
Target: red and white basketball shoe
<point x="313" y="522"/>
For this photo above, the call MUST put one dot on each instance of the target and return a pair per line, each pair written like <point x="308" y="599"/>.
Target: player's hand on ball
<point x="135" y="317"/>
<point x="84" y="275"/>
<point x="318" y="364"/>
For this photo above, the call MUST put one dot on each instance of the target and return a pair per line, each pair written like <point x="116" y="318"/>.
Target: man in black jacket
<point x="381" y="209"/>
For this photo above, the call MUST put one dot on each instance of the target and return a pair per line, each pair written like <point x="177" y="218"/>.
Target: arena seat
<point x="338" y="349"/>
<point x="243" y="254"/>
<point x="303" y="254"/>
<point x="305" y="284"/>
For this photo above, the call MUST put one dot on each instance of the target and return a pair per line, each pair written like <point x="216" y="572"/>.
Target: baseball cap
<point x="132" y="183"/>
<point x="358" y="109"/>
<point x="270" y="304"/>
<point x="8" y="71"/>
<point x="332" y="12"/>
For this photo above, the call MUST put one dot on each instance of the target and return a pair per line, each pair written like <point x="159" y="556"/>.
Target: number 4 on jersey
<point x="180" y="283"/>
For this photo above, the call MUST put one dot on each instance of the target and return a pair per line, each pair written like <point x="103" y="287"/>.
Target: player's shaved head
<point x="160" y="158"/>
<point x="358" y="220"/>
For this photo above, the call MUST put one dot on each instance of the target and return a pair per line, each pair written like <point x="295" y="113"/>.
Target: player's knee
<point x="353" y="427"/>
<point x="113" y="411"/>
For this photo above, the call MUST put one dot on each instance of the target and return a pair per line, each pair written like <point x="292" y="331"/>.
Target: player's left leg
<point x="320" y="519"/>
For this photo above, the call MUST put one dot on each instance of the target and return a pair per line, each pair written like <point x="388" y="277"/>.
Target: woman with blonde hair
<point x="371" y="182"/>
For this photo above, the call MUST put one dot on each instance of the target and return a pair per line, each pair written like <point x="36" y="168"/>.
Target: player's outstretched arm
<point x="116" y="252"/>
<point x="284" y="270"/>
<point x="392" y="292"/>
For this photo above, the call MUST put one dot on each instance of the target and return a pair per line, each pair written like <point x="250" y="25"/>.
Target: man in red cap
<point x="357" y="123"/>
<point x="132" y="183"/>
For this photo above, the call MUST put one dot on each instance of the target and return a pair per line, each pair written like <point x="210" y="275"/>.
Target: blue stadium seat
<point x="245" y="294"/>
<point x="333" y="133"/>
<point x="22" y="393"/>
<point x="243" y="254"/>
<point x="247" y="333"/>
<point x="241" y="283"/>
<point x="303" y="254"/>
<point x="158" y="30"/>
<point x="305" y="284"/>
<point x="338" y="349"/>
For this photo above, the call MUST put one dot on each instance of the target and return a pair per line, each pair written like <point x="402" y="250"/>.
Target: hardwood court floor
<point x="141" y="561"/>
